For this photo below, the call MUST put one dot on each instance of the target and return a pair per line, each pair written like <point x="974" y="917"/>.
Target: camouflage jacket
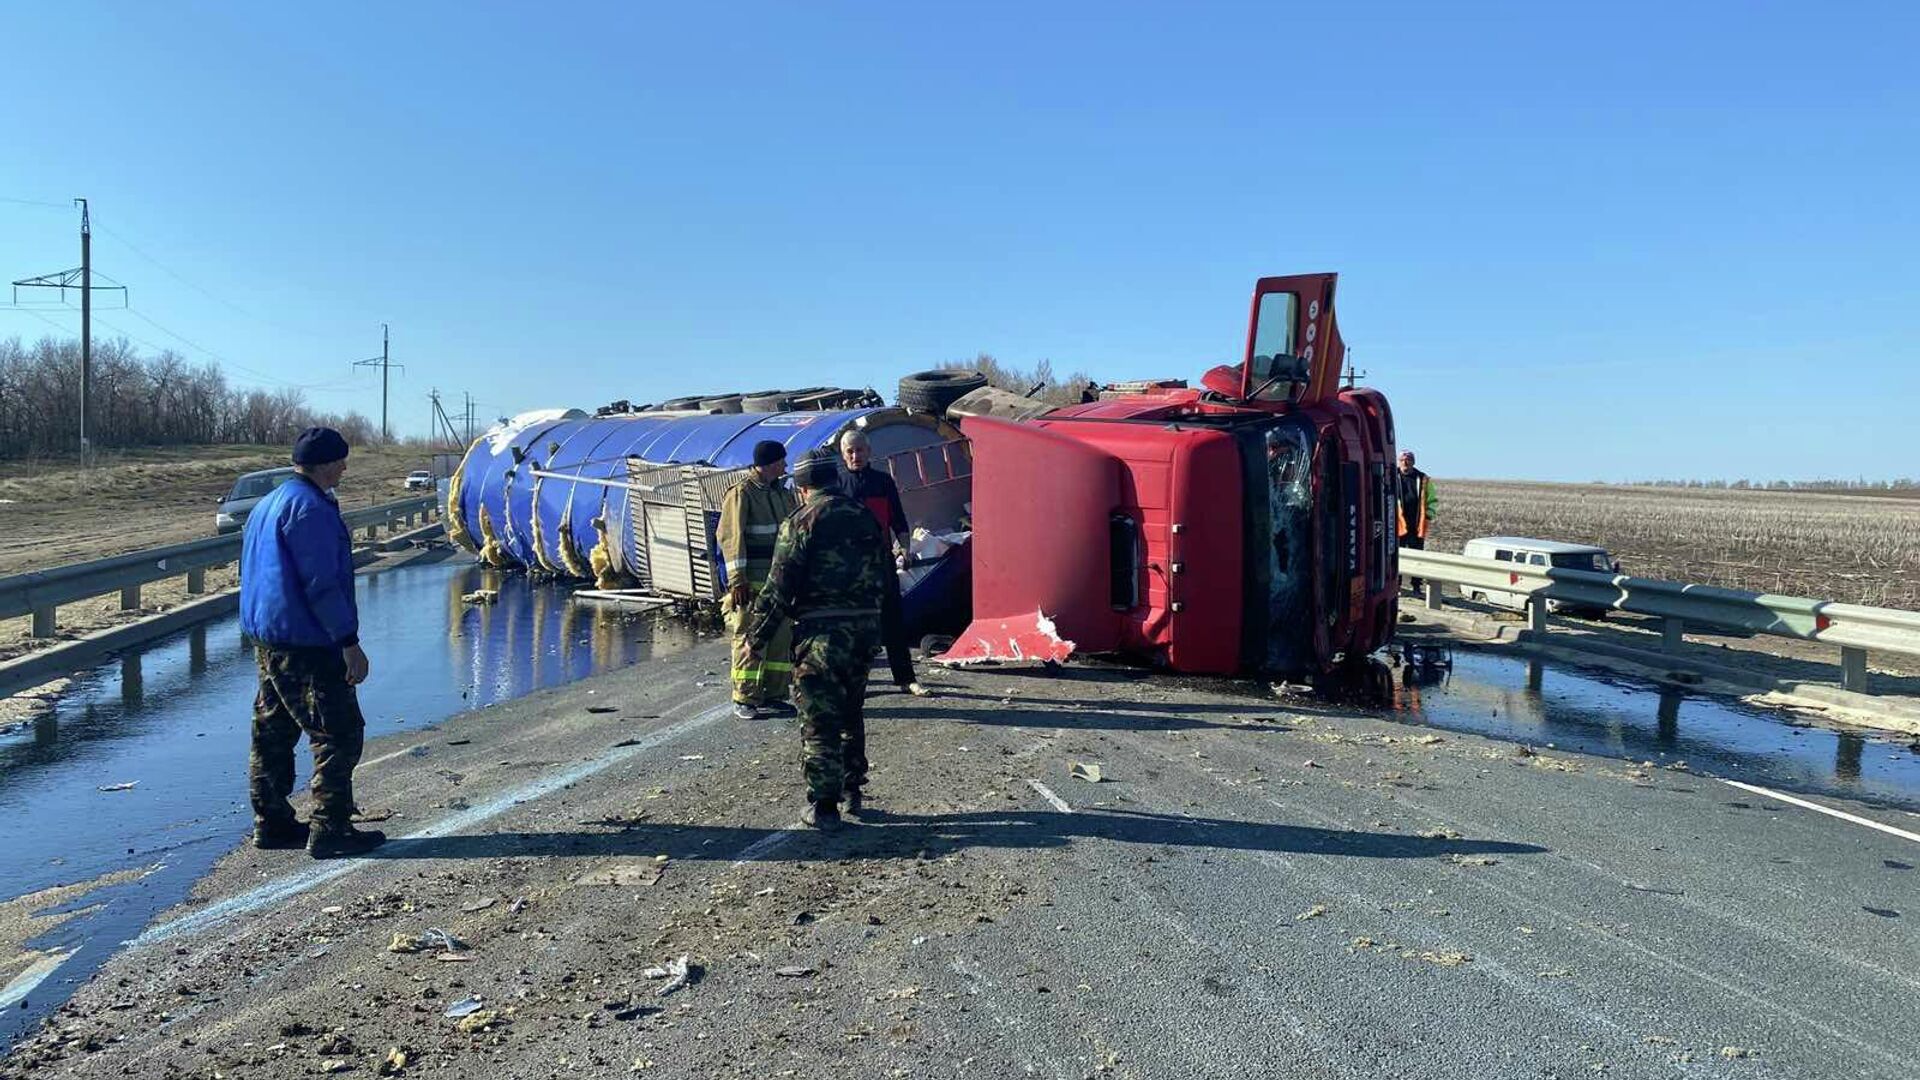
<point x="828" y="561"/>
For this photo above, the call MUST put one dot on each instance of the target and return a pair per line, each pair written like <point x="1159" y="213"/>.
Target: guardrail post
<point x="1537" y="613"/>
<point x="373" y="532"/>
<point x="1672" y="634"/>
<point x="42" y="622"/>
<point x="197" y="581"/>
<point x="130" y="598"/>
<point x="1853" y="669"/>
<point x="1433" y="595"/>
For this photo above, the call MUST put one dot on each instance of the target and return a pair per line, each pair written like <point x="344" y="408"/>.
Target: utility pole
<point x="86" y="328"/>
<point x="384" y="362"/>
<point x="469" y="398"/>
<point x="81" y="279"/>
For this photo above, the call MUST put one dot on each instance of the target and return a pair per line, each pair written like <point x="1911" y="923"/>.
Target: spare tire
<point x="725" y="403"/>
<point x="680" y="404"/>
<point x="933" y="391"/>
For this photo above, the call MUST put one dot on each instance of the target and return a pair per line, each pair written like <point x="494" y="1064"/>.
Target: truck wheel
<point x="933" y="391"/>
<point x="680" y="404"/>
<point x="934" y="644"/>
<point x="767" y="401"/>
<point x="724" y="403"/>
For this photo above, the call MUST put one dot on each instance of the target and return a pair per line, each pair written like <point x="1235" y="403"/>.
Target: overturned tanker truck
<point x="1246" y="526"/>
<point x="630" y="499"/>
<point x="1243" y="527"/>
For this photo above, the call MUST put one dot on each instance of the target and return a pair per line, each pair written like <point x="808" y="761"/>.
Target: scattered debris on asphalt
<point x="479" y="1021"/>
<point x="464" y="1007"/>
<point x="796" y="971"/>
<point x="128" y="786"/>
<point x="1313" y="912"/>
<point x="677" y="974"/>
<point x="625" y="873"/>
<point x="1448" y="958"/>
<point x="1091" y="773"/>
<point x="481" y="904"/>
<point x="481" y="596"/>
<point x="1733" y="1052"/>
<point x="393" y="1063"/>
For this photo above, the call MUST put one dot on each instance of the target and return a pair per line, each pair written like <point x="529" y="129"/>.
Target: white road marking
<point x="273" y="892"/>
<point x="389" y="757"/>
<point x="1827" y="810"/>
<point x="1046" y="793"/>
<point x="767" y="843"/>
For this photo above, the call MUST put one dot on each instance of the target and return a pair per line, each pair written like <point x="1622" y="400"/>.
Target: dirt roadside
<point x="55" y="514"/>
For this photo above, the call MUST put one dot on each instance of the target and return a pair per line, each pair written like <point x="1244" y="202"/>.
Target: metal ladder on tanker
<point x="694" y="505"/>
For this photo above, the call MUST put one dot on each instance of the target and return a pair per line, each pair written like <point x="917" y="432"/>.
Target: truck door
<point x="1294" y="352"/>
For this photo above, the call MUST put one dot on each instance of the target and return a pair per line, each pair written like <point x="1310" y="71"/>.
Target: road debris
<point x="464" y="1007"/>
<point x="477" y="1022"/>
<point x="406" y="943"/>
<point x="481" y="596"/>
<point x="625" y="873"/>
<point x="677" y="973"/>
<point x="603" y="708"/>
<point x="795" y="971"/>
<point x="1734" y="1052"/>
<point x="481" y="904"/>
<point x="1448" y="958"/>
<point x="1091" y="773"/>
<point x="438" y="938"/>
<point x="128" y="786"/>
<point x="393" y="1063"/>
<point x="1313" y="912"/>
<point x="1472" y="860"/>
<point x="1439" y="834"/>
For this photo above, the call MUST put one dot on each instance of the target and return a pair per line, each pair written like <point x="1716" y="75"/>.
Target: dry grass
<point x="1849" y="548"/>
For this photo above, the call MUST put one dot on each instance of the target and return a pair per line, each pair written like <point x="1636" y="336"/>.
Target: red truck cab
<point x="1245" y="527"/>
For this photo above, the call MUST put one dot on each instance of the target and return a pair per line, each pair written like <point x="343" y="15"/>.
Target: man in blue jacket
<point x="296" y="604"/>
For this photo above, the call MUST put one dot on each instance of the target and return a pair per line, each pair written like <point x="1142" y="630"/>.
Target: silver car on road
<point x="247" y="492"/>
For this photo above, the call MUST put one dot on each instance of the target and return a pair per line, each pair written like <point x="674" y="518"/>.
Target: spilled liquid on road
<point x="173" y="720"/>
<point x="1528" y="702"/>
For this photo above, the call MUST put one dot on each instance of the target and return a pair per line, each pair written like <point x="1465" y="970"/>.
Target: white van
<point x="1541" y="553"/>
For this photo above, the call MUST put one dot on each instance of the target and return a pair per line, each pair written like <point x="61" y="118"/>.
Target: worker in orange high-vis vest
<point x="750" y="515"/>
<point x="1417" y="504"/>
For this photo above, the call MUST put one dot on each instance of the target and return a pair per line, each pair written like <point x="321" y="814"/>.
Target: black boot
<point x="343" y="843"/>
<point x="823" y="815"/>
<point x="280" y="835"/>
<point x="853" y="802"/>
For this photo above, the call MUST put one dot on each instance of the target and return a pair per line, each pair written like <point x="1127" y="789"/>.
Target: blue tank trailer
<point x="631" y="500"/>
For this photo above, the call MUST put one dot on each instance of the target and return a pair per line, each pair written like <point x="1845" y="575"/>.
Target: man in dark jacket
<point x="876" y="491"/>
<point x="827" y="580"/>
<point x="296" y="604"/>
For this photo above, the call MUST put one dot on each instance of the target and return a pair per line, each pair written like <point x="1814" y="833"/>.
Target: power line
<point x="170" y="272"/>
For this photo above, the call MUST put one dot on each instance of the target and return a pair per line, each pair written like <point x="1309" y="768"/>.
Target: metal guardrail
<point x="41" y="592"/>
<point x="1855" y="628"/>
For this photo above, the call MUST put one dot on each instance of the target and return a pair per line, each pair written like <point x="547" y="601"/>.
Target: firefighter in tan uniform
<point x="750" y="517"/>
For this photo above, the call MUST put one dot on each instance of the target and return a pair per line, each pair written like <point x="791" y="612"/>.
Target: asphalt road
<point x="1256" y="888"/>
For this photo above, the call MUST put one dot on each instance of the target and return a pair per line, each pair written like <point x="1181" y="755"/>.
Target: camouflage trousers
<point x="305" y="690"/>
<point x="760" y="675"/>
<point x="830" y="661"/>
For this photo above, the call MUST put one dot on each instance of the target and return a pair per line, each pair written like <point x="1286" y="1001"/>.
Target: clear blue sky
<point x="1595" y="242"/>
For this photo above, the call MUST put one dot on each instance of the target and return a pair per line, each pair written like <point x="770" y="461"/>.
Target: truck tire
<point x="680" y="404"/>
<point x="766" y="401"/>
<point x="725" y="403"/>
<point x="933" y="391"/>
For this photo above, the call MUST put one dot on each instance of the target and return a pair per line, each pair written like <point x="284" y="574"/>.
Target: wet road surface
<point x="172" y="719"/>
